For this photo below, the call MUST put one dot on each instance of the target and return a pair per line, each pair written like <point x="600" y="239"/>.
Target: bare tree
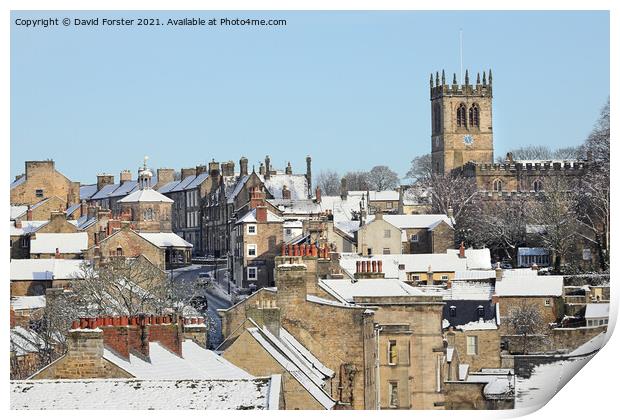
<point x="356" y="180"/>
<point x="421" y="168"/>
<point x="555" y="213"/>
<point x="329" y="182"/>
<point x="502" y="224"/>
<point x="381" y="178"/>
<point x="526" y="320"/>
<point x="540" y="152"/>
<point x="455" y="194"/>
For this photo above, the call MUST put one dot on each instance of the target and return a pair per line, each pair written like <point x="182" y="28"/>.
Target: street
<point x="214" y="299"/>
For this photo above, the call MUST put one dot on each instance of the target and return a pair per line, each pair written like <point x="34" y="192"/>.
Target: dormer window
<point x="452" y="311"/>
<point x="481" y="312"/>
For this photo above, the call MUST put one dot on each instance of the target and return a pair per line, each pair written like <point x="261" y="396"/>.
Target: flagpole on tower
<point x="461" y="52"/>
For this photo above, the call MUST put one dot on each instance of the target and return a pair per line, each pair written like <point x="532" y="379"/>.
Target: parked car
<point x="199" y="303"/>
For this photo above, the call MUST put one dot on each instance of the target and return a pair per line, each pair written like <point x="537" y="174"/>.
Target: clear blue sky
<point x="348" y="88"/>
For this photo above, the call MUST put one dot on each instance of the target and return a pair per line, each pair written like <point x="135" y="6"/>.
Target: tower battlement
<point x="439" y="87"/>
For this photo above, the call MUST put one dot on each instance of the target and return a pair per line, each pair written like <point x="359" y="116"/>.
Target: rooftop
<point x="44" y="269"/>
<point x="66" y="243"/>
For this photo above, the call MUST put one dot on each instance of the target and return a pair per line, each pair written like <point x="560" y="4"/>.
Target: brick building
<point x="41" y="180"/>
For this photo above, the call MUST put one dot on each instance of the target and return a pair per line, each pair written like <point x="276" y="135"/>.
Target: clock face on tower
<point x="468" y="140"/>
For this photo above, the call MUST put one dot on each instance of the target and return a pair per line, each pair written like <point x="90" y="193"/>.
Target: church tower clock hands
<point x="461" y="116"/>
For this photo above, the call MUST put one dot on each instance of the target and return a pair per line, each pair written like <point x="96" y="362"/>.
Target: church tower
<point x="461" y="116"/>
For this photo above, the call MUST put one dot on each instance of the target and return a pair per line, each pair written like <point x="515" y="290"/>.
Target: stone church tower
<point x="462" y="127"/>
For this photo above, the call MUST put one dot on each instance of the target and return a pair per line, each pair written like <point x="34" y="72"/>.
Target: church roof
<point x="146" y="195"/>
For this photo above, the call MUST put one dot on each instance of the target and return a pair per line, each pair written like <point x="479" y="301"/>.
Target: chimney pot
<point x="374" y="266"/>
<point x="75" y="325"/>
<point x="358" y="266"/>
<point x="380" y="266"/>
<point x="462" y="250"/>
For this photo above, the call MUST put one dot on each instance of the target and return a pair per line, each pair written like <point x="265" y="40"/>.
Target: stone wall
<point x="41" y="175"/>
<point x="488" y="355"/>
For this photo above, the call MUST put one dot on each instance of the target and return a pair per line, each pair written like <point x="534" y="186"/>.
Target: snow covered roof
<point x="526" y="282"/>
<point x="196" y="363"/>
<point x="27" y="302"/>
<point x="345" y="290"/>
<point x="28" y="226"/>
<point x="104" y="192"/>
<point x="24" y="341"/>
<point x="478" y="325"/>
<point x="146" y="195"/>
<point x="182" y="184"/>
<point x="477" y="259"/>
<point x="292" y="224"/>
<point x="250" y="217"/>
<point x="166" y="188"/>
<point x="164" y="239"/>
<point x="376" y="195"/>
<point x="298" y="361"/>
<point x="67" y="243"/>
<point x="124" y="188"/>
<point x="548" y="375"/>
<point x="474" y="275"/>
<point x="413" y="221"/>
<point x="296" y="184"/>
<point x="124" y="394"/>
<point x="414" y="263"/>
<point x="197" y="181"/>
<point x="597" y="310"/>
<point x="469" y="290"/>
<point x="44" y="269"/>
<point x="17" y="211"/>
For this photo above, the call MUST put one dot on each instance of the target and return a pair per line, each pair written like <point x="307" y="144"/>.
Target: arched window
<point x="537" y="185"/>
<point x="474" y="116"/>
<point x="436" y="118"/>
<point x="497" y="185"/>
<point x="461" y="116"/>
<point x="148" y="214"/>
<point x="119" y="251"/>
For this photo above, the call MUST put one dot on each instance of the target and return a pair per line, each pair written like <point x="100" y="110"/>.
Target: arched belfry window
<point x="537" y="185"/>
<point x="461" y="116"/>
<point x="436" y="118"/>
<point x="474" y="116"/>
<point x="497" y="185"/>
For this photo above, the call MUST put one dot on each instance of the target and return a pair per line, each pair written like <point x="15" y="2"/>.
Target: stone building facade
<point x="42" y="180"/>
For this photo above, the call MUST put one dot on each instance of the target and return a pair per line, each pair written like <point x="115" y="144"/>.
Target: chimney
<point x="195" y="329"/>
<point x="200" y="169"/>
<point x="228" y="168"/>
<point x="125" y="175"/>
<point x="343" y="189"/>
<point x="243" y="166"/>
<point x="462" y="250"/>
<point x="289" y="169"/>
<point x="499" y="274"/>
<point x="267" y="167"/>
<point x="309" y="174"/>
<point x="378" y="215"/>
<point x="186" y="172"/>
<point x="286" y="193"/>
<point x="84" y="353"/>
<point x="261" y="169"/>
<point x="103" y="180"/>
<point x="214" y="169"/>
<point x="266" y="315"/>
<point x="290" y="280"/>
<point x="261" y="214"/>
<point x="164" y="176"/>
<point x="318" y="195"/>
<point x="450" y="213"/>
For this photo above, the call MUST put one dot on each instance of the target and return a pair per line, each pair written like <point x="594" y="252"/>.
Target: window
<point x="444" y="277"/>
<point x="472" y="345"/>
<point x="480" y="311"/>
<point x="148" y="214"/>
<point x="288" y="231"/>
<point x="547" y="302"/>
<point x="386" y="251"/>
<point x="393" y="394"/>
<point x="452" y="311"/>
<point x="387" y="233"/>
<point x="388" y="204"/>
<point x="436" y="118"/>
<point x="251" y="250"/>
<point x="461" y="115"/>
<point x="497" y="185"/>
<point x="415" y="277"/>
<point x="24" y="242"/>
<point x="474" y="116"/>
<point x="537" y="185"/>
<point x="251" y="229"/>
<point x="38" y="193"/>
<point x="252" y="273"/>
<point x="415" y="238"/>
<point x="392" y="353"/>
<point x="119" y="251"/>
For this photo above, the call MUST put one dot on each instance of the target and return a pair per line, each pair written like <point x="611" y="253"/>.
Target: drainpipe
<point x="377" y="368"/>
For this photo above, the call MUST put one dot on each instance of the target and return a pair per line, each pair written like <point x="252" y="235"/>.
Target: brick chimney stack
<point x="343" y="189"/>
<point x="125" y="175"/>
<point x="289" y="169"/>
<point x="267" y="167"/>
<point x="29" y="214"/>
<point x="318" y="195"/>
<point x="309" y="175"/>
<point x="462" y="250"/>
<point x="286" y="193"/>
<point x="164" y="176"/>
<point x="103" y="180"/>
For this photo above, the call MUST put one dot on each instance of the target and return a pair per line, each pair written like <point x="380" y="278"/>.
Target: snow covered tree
<point x="526" y="321"/>
<point x="329" y="182"/>
<point x="421" y="168"/>
<point x="382" y="178"/>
